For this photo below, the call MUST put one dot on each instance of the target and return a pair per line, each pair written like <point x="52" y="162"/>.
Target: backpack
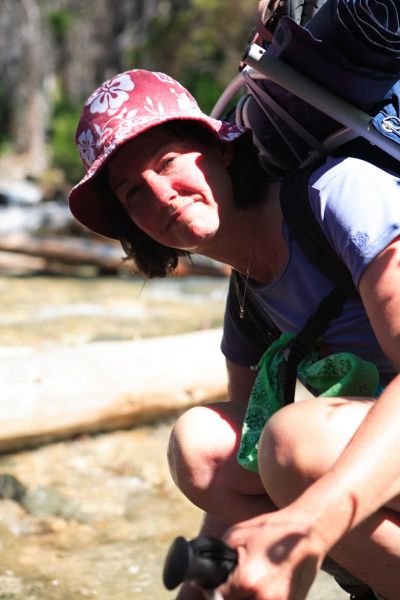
<point x="318" y="75"/>
<point x="290" y="134"/>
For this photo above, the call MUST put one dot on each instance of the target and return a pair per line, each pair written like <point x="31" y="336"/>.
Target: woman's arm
<point x="380" y="293"/>
<point x="281" y="552"/>
<point x="367" y="475"/>
<point x="240" y="382"/>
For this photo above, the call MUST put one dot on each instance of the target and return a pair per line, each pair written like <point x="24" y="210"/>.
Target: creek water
<point x="97" y="513"/>
<point x="46" y="310"/>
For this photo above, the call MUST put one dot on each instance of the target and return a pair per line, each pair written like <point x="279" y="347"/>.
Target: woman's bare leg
<point x="299" y="444"/>
<point x="202" y="458"/>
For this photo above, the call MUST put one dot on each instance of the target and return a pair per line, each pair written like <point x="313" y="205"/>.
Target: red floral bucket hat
<point x="119" y="110"/>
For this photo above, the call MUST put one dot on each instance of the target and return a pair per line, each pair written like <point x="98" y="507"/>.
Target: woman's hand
<point x="279" y="556"/>
<point x="189" y="591"/>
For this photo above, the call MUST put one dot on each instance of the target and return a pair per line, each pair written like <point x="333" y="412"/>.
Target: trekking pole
<point x="206" y="561"/>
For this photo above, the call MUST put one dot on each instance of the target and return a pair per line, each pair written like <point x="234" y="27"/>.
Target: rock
<point x="11" y="588"/>
<point x="11" y="488"/>
<point x="44" y="502"/>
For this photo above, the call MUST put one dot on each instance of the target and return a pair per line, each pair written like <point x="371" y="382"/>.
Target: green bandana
<point x="342" y="374"/>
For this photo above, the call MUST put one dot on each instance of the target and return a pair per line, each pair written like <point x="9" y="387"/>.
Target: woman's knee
<point x="302" y="441"/>
<point x="201" y="440"/>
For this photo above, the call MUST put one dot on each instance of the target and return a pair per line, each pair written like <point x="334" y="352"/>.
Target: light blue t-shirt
<point x="358" y="208"/>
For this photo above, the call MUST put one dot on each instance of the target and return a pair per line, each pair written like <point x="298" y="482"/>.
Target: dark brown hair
<point x="152" y="259"/>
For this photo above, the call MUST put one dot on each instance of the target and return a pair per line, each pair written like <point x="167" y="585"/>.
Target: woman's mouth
<point x="177" y="215"/>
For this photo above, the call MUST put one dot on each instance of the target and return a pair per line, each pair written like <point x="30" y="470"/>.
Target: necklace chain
<point x="248" y="269"/>
<point x="246" y="281"/>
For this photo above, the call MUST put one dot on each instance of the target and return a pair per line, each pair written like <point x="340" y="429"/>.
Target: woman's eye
<point x="167" y="162"/>
<point x="132" y="193"/>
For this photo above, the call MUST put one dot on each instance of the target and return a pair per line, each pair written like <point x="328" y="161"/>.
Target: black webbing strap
<point x="305" y="229"/>
<point x="329" y="308"/>
<point x="253" y="323"/>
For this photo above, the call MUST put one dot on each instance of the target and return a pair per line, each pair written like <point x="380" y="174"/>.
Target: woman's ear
<point x="226" y="153"/>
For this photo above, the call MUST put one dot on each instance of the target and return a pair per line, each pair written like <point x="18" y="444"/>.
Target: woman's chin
<point x="196" y="238"/>
<point x="197" y="245"/>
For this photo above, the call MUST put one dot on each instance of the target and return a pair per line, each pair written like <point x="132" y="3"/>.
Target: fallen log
<point x="77" y="251"/>
<point x="56" y="393"/>
<point x="21" y="263"/>
<point x="106" y="256"/>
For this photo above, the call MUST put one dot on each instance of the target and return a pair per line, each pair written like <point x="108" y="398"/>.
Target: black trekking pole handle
<point x="204" y="560"/>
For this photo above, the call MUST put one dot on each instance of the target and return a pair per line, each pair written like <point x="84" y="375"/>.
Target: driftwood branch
<point x="56" y="393"/>
<point x="73" y="251"/>
<point x="107" y="256"/>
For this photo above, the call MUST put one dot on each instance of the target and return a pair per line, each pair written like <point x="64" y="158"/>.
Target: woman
<point x="166" y="180"/>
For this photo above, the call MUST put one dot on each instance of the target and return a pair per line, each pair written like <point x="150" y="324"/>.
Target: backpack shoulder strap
<point x="305" y="229"/>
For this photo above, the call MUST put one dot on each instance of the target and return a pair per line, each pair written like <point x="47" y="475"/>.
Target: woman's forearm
<point x="365" y="477"/>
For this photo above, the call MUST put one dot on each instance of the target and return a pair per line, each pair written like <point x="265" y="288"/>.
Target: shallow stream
<point x="46" y="310"/>
<point x="96" y="522"/>
<point x="97" y="513"/>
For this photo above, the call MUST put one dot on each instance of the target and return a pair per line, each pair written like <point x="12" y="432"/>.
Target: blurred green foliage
<point x="201" y="45"/>
<point x="63" y="152"/>
<point x="199" y="42"/>
<point x="60" y="22"/>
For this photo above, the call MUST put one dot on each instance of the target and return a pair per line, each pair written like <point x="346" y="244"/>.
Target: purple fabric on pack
<point x="350" y="47"/>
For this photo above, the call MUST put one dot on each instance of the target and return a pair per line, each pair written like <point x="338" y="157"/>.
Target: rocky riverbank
<point x="96" y="520"/>
<point x="93" y="516"/>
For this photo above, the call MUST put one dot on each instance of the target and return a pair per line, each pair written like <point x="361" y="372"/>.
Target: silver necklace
<point x="246" y="282"/>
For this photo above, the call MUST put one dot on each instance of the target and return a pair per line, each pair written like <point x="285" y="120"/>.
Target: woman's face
<point x="175" y="190"/>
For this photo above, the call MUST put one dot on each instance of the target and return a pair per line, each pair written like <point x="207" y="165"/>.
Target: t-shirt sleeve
<point x="358" y="208"/>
